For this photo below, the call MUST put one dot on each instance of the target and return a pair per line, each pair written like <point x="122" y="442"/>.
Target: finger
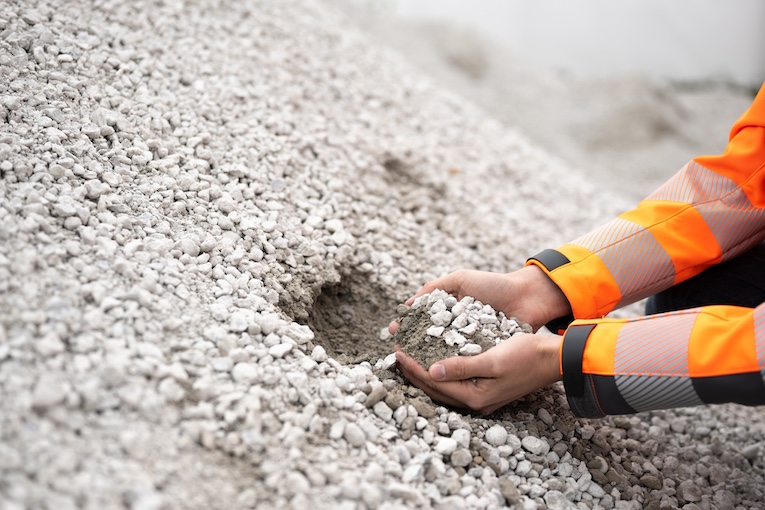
<point x="393" y="327"/>
<point x="420" y="378"/>
<point x="438" y="283"/>
<point x="488" y="410"/>
<point x="409" y="366"/>
<point x="425" y="289"/>
<point x="466" y="394"/>
<point x="460" y="368"/>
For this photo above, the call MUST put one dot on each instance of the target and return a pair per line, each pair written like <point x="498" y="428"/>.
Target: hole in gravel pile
<point x="347" y="317"/>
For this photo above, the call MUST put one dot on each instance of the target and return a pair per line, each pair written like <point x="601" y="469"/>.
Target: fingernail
<point x="438" y="372"/>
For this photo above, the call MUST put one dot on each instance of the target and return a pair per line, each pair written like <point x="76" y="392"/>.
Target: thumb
<point x="457" y="368"/>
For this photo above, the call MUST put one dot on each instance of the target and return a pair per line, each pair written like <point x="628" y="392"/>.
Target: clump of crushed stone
<point x="438" y="326"/>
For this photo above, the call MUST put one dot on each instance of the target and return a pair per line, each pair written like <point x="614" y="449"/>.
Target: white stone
<point x="48" y="392"/>
<point x="441" y="318"/>
<point x="239" y="321"/>
<point x="453" y="338"/>
<point x="95" y="188"/>
<point x="535" y="445"/>
<point x="462" y="437"/>
<point x="333" y="225"/>
<point x="354" y="435"/>
<point x="302" y="334"/>
<point x="49" y="345"/>
<point x="496" y="435"/>
<point x="446" y="445"/>
<point x="523" y="468"/>
<point x="470" y="349"/>
<point x="149" y="350"/>
<point x="269" y="322"/>
<point x="460" y="321"/>
<point x="434" y="331"/>
<point x="171" y="390"/>
<point x="382" y="410"/>
<point x="487" y="319"/>
<point x="374" y="473"/>
<point x="556" y="500"/>
<point x="245" y="372"/>
<point x="91" y="130"/>
<point x="459" y="308"/>
<point x="64" y="209"/>
<point x="596" y="491"/>
<point x="437" y="307"/>
<point x="461" y="457"/>
<point x="318" y="354"/>
<point x="337" y="429"/>
<point x="470" y="329"/>
<point x="389" y="361"/>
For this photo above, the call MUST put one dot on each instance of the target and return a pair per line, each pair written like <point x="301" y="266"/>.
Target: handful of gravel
<point x="438" y="326"/>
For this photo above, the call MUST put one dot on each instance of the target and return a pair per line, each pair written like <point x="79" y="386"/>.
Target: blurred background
<point x="682" y="40"/>
<point x="626" y="91"/>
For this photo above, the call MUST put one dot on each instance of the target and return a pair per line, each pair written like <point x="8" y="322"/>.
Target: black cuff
<point x="559" y="325"/>
<point x="553" y="259"/>
<point x="571" y="358"/>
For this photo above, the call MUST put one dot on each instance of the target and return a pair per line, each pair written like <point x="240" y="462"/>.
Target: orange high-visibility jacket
<point x="712" y="210"/>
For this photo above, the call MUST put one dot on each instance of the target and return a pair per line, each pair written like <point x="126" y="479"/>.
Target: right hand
<point x="527" y="294"/>
<point x="492" y="379"/>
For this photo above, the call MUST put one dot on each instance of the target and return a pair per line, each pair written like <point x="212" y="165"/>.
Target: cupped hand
<point x="527" y="294"/>
<point x="492" y="379"/>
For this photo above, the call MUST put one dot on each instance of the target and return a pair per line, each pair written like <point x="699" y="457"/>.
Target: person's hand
<point x="527" y="294"/>
<point x="492" y="379"/>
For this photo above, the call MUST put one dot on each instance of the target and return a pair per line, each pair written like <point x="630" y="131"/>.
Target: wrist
<point x="551" y="301"/>
<point x="548" y="350"/>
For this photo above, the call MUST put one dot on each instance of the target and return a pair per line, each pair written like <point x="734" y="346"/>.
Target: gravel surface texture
<point x="208" y="212"/>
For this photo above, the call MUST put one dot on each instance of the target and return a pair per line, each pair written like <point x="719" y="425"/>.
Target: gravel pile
<point x="208" y="212"/>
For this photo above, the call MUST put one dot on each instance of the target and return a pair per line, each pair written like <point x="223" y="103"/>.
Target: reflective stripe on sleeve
<point x="731" y="218"/>
<point x="706" y="355"/>
<point x="759" y="335"/>
<point x="651" y="362"/>
<point x="697" y="219"/>
<point x="635" y="260"/>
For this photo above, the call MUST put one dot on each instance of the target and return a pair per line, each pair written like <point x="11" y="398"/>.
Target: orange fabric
<point x="678" y="227"/>
<point x="745" y="152"/>
<point x="682" y="232"/>
<point x="722" y="342"/>
<point x="588" y="286"/>
<point x="722" y="338"/>
<point x="599" y="353"/>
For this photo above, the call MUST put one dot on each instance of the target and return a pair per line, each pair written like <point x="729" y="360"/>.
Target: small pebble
<point x="496" y="435"/>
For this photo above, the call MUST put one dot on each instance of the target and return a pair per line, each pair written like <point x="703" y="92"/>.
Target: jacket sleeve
<point x="712" y="210"/>
<point x="707" y="355"/>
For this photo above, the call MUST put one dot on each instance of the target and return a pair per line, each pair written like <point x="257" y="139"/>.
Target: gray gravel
<point x="198" y="199"/>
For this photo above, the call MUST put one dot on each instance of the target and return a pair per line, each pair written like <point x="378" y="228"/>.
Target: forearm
<point x="712" y="210"/>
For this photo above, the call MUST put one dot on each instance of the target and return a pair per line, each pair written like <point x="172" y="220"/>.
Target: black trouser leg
<point x="739" y="282"/>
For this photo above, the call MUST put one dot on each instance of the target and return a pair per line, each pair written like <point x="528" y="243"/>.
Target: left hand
<point x="492" y="379"/>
